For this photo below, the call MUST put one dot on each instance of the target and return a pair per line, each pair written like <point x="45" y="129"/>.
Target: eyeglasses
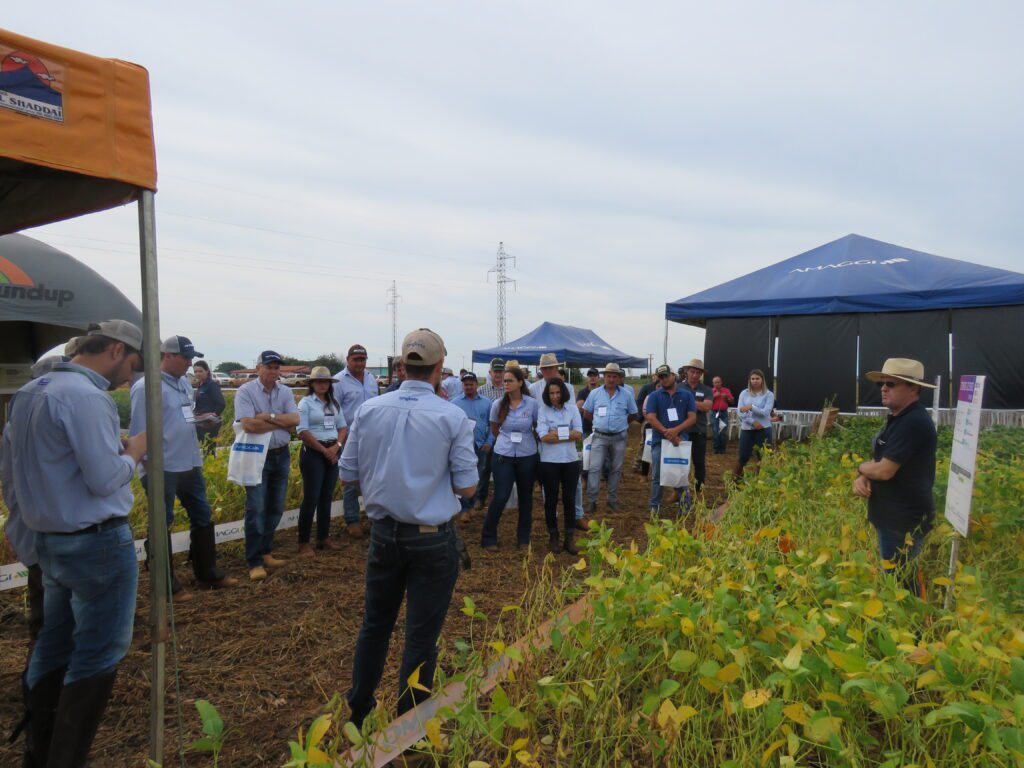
<point x="888" y="384"/>
<point x="510" y="381"/>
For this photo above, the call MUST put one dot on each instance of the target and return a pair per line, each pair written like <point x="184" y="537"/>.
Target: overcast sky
<point x="628" y="154"/>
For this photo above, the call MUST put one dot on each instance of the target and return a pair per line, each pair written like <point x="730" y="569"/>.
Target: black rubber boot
<point x="81" y="708"/>
<point x="553" y="545"/>
<point x="40" y="713"/>
<point x="203" y="554"/>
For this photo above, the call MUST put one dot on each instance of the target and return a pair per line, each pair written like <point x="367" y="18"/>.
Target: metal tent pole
<point x="158" y="554"/>
<point x="664" y="358"/>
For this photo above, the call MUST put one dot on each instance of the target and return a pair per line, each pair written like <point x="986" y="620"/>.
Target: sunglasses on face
<point x="888" y="384"/>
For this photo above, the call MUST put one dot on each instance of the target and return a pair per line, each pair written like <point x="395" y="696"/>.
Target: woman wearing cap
<point x="514" y="458"/>
<point x="559" y="425"/>
<point x="755" y="410"/>
<point x="322" y="429"/>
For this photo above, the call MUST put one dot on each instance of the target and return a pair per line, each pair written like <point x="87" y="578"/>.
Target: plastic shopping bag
<point x="513" y="499"/>
<point x="587" y="445"/>
<point x="675" y="464"/>
<point x="648" y="443"/>
<point x="248" y="455"/>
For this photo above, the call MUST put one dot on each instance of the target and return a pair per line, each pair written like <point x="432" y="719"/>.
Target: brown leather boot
<point x="570" y="543"/>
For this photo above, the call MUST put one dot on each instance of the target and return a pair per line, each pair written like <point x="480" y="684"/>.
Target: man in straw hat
<point x="693" y="373"/>
<point x="609" y="409"/>
<point x="548" y="368"/>
<point x="898" y="481"/>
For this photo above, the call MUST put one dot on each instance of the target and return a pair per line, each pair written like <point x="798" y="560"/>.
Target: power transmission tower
<point x="393" y="298"/>
<point x="502" y="280"/>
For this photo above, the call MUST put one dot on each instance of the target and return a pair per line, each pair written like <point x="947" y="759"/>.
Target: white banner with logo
<point x="964" y="453"/>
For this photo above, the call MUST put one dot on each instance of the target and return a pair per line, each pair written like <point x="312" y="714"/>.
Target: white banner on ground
<point x="964" y="453"/>
<point x="15" y="575"/>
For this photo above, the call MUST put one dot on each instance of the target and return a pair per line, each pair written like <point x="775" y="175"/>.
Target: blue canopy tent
<point x="575" y="346"/>
<point x="837" y="311"/>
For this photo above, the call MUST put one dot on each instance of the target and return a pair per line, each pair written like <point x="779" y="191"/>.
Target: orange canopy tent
<point x="76" y="136"/>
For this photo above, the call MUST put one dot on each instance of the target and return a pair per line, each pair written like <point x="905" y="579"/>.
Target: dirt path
<point x="268" y="655"/>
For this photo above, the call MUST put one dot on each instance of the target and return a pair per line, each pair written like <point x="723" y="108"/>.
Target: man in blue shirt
<point x="183" y="463"/>
<point x="671" y="412"/>
<point x="265" y="405"/>
<point x="411" y="453"/>
<point x="355" y="386"/>
<point x="70" y="474"/>
<point x="609" y="409"/>
<point x="478" y="409"/>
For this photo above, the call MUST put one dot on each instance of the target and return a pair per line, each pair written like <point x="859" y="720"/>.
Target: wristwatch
<point x="273" y="417"/>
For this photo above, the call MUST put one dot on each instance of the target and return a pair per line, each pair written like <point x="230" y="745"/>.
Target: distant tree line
<point x="332" y="361"/>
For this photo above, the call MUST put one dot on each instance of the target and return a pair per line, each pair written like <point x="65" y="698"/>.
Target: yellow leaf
<point x="941" y="581"/>
<point x="581" y="565"/>
<point x="873" y="608"/>
<point x="433" y="730"/>
<point x="919" y="656"/>
<point x="823" y="729"/>
<point x="756" y="697"/>
<point x="318" y="729"/>
<point x="665" y="712"/>
<point x="683" y="713"/>
<point x="316" y="756"/>
<point x="686" y="625"/>
<point x="929" y="677"/>
<point x="729" y="673"/>
<point x="855" y="634"/>
<point x="414" y="681"/>
<point x="767" y="755"/>
<point x="496" y="645"/>
<point x="710" y="684"/>
<point x="835" y="698"/>
<point x="797" y="713"/>
<point x="519" y="743"/>
<point x="823" y="557"/>
<point x="792" y="660"/>
<point x="753" y="615"/>
<point x="478" y="764"/>
<point x="767" y="635"/>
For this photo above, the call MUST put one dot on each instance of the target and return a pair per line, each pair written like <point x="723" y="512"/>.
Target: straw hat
<point x="320" y="373"/>
<point x="695" y="363"/>
<point x="613" y="368"/>
<point x="905" y="369"/>
<point x="511" y="364"/>
<point x="548" y="360"/>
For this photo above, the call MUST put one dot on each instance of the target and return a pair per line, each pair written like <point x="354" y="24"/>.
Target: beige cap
<point x="613" y="368"/>
<point x="71" y="348"/>
<point x="118" y="330"/>
<point x="320" y="373"/>
<point x="901" y="368"/>
<point x="695" y="363"/>
<point x="423" y="347"/>
<point x="549" y="360"/>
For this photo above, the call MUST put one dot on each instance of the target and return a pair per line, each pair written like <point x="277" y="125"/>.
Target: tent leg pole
<point x="664" y="350"/>
<point x="159" y="556"/>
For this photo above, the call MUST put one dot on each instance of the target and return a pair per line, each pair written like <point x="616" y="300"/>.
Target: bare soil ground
<point x="269" y="654"/>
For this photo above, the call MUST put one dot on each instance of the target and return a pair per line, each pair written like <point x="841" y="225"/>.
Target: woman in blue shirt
<point x="514" y="457"/>
<point x="559" y="426"/>
<point x="755" y="410"/>
<point x="322" y="429"/>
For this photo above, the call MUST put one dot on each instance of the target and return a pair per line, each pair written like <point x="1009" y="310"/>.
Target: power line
<point x="502" y="280"/>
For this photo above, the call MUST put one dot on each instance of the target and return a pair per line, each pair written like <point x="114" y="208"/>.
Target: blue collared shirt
<point x="610" y="413"/>
<point x="762" y="412"/>
<point x="548" y="418"/>
<point x="352" y="393"/>
<point x="21" y="537"/>
<point x="181" y="446"/>
<point x="408" y="450"/>
<point x="520" y="421"/>
<point x="659" y="401"/>
<point x="67" y="467"/>
<point x="452" y="386"/>
<point x="478" y="409"/>
<point x="313" y="411"/>
<point x="251" y="399"/>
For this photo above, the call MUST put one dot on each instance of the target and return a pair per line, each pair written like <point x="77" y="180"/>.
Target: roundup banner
<point x="964" y="453"/>
<point x="15" y="575"/>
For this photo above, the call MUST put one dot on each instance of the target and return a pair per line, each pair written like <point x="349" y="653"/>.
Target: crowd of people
<point x="418" y="455"/>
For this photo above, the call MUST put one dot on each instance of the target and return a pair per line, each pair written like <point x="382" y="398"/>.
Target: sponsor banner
<point x="16" y="575"/>
<point x="31" y="85"/>
<point x="964" y="453"/>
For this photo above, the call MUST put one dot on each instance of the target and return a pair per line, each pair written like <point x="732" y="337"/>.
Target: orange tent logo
<point x="12" y="274"/>
<point x="31" y="85"/>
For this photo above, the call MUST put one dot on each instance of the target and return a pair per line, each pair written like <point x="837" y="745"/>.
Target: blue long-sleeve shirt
<point x="762" y="408"/>
<point x="251" y="398"/>
<point x="352" y="393"/>
<point x="478" y="409"/>
<point x="322" y="420"/>
<point x="67" y="467"/>
<point x="22" y="538"/>
<point x="181" y="445"/>
<point x="568" y="418"/>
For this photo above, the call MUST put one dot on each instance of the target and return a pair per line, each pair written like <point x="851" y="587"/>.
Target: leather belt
<point x="277" y="450"/>
<point x="106" y="525"/>
<point x="400" y="526"/>
<point x="609" y="434"/>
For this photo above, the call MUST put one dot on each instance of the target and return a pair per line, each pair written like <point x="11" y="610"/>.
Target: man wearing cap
<point x="398" y="374"/>
<point x="671" y="411"/>
<point x="609" y="409"/>
<point x="265" y="405"/>
<point x="494" y="389"/>
<point x="693" y="372"/>
<point x="898" y="481"/>
<point x="451" y="385"/>
<point x="478" y="410"/>
<point x="355" y="386"/>
<point x="183" y="462"/>
<point x="71" y="475"/>
<point x="411" y="453"/>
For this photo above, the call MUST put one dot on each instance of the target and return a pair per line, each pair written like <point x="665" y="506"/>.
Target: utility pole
<point x="502" y="280"/>
<point x="393" y="298"/>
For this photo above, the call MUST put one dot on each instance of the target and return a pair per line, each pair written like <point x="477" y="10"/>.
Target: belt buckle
<point x="428" y="529"/>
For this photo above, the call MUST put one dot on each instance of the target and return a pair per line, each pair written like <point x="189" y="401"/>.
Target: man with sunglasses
<point x="71" y="473"/>
<point x="898" y="481"/>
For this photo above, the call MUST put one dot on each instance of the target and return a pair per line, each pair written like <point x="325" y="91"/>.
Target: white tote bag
<point x="248" y="455"/>
<point x="587" y="445"/>
<point x="648" y="443"/>
<point x="675" y="464"/>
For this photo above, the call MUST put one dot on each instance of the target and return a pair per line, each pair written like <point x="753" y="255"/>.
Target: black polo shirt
<point x="702" y="392"/>
<point x="906" y="501"/>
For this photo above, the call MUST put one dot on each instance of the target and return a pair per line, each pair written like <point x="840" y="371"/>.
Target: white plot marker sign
<point x="964" y="454"/>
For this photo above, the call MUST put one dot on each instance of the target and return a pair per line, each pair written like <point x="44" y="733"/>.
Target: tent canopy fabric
<point x="853" y="274"/>
<point x="77" y="133"/>
<point x="46" y="297"/>
<point x="576" y="346"/>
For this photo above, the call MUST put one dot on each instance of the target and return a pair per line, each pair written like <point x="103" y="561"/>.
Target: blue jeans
<point x="751" y="439"/>
<point x="319" y="479"/>
<point x="264" y="505"/>
<point x="190" y="489"/>
<point x="892" y="546"/>
<point x="350" y="503"/>
<point x="402" y="561"/>
<point x="508" y="471"/>
<point x="721" y="434"/>
<point x="90" y="582"/>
